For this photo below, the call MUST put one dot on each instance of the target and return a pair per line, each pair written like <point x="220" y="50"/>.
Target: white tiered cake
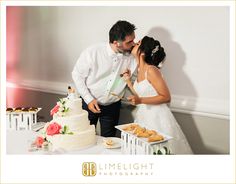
<point x="70" y="128"/>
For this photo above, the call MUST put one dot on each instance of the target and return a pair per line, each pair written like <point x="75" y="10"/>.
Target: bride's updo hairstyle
<point x="154" y="54"/>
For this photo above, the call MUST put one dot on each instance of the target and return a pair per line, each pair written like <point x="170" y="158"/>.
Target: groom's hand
<point x="134" y="100"/>
<point x="93" y="106"/>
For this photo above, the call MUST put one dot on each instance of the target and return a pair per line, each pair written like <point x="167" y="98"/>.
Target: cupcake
<point x="33" y="109"/>
<point x="26" y="109"/>
<point x="9" y="109"/>
<point x="18" y="109"/>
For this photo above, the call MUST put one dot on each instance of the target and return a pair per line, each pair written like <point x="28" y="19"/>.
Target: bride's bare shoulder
<point x="153" y="71"/>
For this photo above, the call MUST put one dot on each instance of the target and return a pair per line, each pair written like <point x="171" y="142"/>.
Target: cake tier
<point x="75" y="106"/>
<point x="78" y="140"/>
<point x="78" y="122"/>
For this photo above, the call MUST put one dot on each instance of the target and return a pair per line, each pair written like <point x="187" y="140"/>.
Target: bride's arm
<point x="127" y="77"/>
<point x="155" y="78"/>
<point x="130" y="85"/>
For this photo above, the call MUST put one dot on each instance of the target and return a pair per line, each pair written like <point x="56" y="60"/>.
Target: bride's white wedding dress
<point x="160" y="118"/>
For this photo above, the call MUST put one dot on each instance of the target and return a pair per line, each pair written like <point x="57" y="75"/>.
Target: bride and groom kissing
<point x="103" y="72"/>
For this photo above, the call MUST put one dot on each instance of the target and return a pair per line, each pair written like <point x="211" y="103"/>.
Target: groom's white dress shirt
<point x="97" y="73"/>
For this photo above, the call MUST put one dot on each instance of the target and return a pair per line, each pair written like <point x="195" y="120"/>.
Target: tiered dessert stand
<point x="21" y="120"/>
<point x="134" y="145"/>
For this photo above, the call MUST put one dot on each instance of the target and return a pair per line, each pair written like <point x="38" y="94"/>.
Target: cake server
<point x="121" y="98"/>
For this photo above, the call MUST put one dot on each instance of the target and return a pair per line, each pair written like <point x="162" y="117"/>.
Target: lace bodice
<point x="144" y="88"/>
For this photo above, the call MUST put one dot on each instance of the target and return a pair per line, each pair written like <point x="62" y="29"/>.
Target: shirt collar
<point x="112" y="53"/>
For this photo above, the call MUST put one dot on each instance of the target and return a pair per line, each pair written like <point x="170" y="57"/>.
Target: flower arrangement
<point x="162" y="151"/>
<point x="51" y="129"/>
<point x="60" y="109"/>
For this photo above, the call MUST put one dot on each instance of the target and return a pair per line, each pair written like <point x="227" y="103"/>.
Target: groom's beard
<point x="125" y="52"/>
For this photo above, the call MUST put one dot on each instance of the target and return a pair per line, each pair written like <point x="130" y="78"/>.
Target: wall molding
<point x="200" y="106"/>
<point x="42" y="86"/>
<point x="213" y="108"/>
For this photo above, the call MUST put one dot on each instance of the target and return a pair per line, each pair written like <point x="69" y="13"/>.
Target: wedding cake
<point x="70" y="128"/>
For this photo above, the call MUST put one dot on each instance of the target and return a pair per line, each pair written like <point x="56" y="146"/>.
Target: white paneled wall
<point x="196" y="40"/>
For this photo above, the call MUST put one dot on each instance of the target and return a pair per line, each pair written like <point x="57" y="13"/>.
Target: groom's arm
<point x="80" y="74"/>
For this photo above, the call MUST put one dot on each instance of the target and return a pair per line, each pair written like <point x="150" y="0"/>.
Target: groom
<point x="96" y="75"/>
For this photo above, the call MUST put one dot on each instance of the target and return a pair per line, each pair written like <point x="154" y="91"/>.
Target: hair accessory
<point x="160" y="64"/>
<point x="155" y="50"/>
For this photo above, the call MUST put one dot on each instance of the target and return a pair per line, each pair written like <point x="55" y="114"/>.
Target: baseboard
<point x="183" y="104"/>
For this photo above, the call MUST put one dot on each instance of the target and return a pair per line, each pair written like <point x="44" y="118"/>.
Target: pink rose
<point x="53" y="128"/>
<point x="39" y="141"/>
<point x="54" y="110"/>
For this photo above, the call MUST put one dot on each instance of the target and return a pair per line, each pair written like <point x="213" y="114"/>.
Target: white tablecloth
<point x="18" y="142"/>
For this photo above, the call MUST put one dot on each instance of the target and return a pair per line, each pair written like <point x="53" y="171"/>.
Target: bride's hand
<point x="134" y="100"/>
<point x="126" y="74"/>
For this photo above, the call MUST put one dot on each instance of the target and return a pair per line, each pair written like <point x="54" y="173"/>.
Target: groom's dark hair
<point x="120" y="30"/>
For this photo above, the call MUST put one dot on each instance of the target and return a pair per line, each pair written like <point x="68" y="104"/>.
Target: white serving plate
<point x="24" y="112"/>
<point x="116" y="140"/>
<point x="166" y="137"/>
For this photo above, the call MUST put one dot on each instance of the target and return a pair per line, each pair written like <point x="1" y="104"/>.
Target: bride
<point x="151" y="94"/>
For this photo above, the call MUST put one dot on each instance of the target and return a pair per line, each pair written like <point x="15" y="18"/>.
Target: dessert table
<point x="18" y="142"/>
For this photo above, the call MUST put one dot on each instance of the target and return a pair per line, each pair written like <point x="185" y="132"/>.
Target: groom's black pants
<point x="108" y="117"/>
